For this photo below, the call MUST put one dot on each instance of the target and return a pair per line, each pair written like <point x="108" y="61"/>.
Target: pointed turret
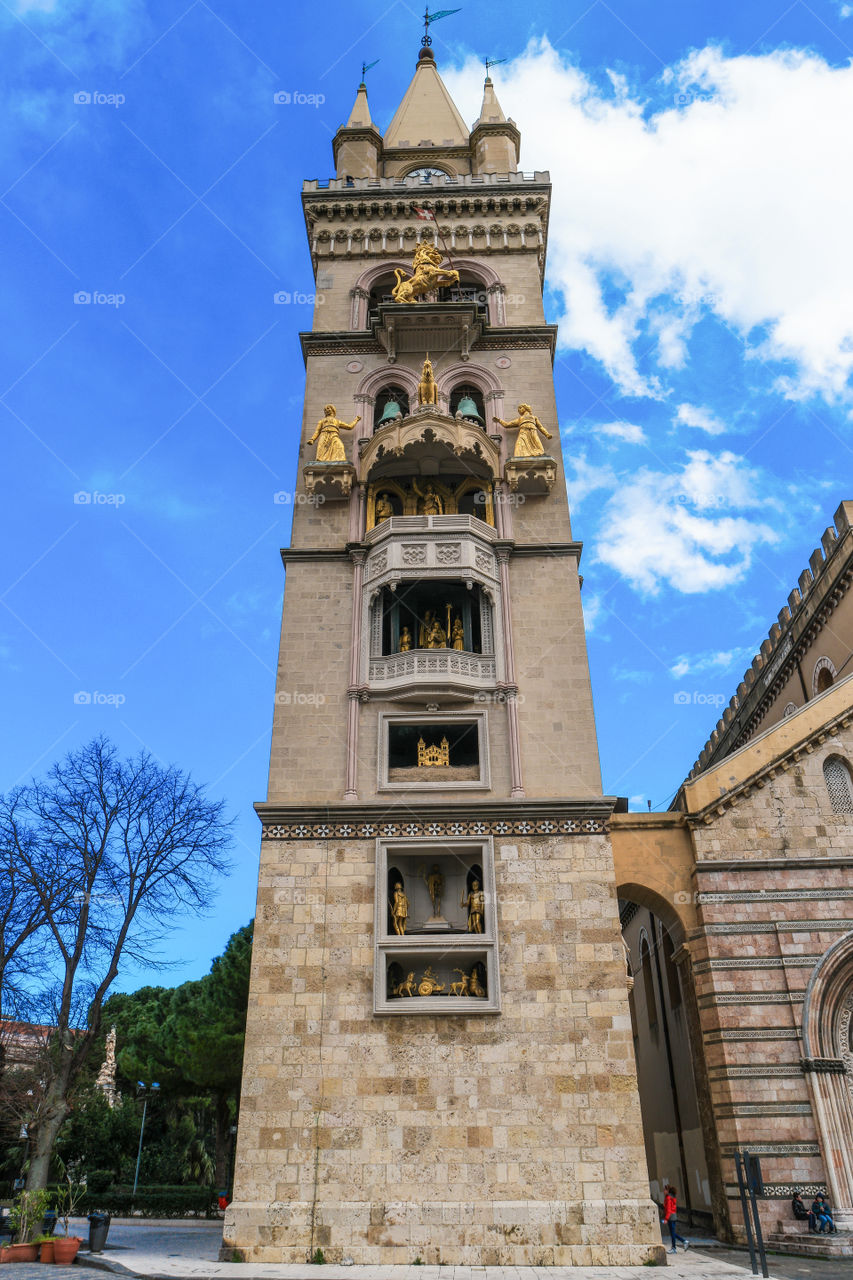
<point x="427" y="116"/>
<point x="358" y="143"/>
<point x="495" y="141"/>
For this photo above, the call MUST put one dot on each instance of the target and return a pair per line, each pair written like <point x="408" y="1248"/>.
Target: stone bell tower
<point x="438" y="1057"/>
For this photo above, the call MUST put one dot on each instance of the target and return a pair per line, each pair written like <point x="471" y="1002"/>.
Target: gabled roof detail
<point x="360" y="114"/>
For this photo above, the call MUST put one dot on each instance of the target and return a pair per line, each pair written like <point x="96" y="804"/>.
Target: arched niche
<point x="369" y="289"/>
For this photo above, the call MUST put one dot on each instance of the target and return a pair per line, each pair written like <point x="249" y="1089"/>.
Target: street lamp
<point x="143" y="1091"/>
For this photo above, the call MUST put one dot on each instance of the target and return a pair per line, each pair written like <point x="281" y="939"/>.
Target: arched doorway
<point x="828" y="1064"/>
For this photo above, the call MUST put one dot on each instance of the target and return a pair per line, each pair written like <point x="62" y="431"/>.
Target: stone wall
<point x="505" y="1139"/>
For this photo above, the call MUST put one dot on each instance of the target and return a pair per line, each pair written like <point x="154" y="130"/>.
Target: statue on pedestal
<point x="427" y="388"/>
<point x="527" y="444"/>
<point x="330" y="446"/>
<point x="427" y="275"/>
<point x="383" y="509"/>
<point x="429" y="502"/>
<point x="405" y="640"/>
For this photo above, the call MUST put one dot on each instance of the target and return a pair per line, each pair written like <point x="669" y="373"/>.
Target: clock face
<point x="426" y="175"/>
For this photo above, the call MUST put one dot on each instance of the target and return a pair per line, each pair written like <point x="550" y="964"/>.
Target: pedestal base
<point x="497" y="1233"/>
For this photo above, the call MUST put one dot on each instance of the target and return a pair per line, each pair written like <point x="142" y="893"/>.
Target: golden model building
<point x="439" y="1060"/>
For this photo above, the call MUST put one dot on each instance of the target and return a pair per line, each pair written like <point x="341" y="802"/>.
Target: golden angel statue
<point x="429" y="502"/>
<point x="527" y="444"/>
<point x="330" y="446"/>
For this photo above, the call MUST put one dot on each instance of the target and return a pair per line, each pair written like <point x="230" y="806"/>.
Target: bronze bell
<point x="391" y="411"/>
<point x="468" y="409"/>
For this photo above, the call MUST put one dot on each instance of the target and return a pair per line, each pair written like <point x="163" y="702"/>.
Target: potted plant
<point x="26" y="1215"/>
<point x="45" y="1244"/>
<point x="67" y="1198"/>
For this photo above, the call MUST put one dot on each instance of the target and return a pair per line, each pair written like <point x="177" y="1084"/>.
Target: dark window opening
<point x="455" y="744"/>
<point x="431" y="615"/>
<point x="824" y="680"/>
<point x="672" y="978"/>
<point x="648" y="984"/>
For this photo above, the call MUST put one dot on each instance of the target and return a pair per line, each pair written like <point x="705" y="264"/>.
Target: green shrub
<point x="153" y="1202"/>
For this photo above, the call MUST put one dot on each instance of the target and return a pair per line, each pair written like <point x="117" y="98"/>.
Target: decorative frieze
<point x="445" y="828"/>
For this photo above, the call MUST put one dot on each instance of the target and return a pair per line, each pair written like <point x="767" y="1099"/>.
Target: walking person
<point x="670" y="1214"/>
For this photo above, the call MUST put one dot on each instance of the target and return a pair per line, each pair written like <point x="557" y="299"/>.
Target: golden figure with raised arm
<point x="430" y="503"/>
<point x="330" y="446"/>
<point x="528" y="443"/>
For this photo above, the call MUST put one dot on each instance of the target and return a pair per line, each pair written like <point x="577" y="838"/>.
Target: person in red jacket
<point x="670" y="1213"/>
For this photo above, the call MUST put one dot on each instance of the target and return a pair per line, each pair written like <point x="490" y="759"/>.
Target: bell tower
<point x="438" y="1059"/>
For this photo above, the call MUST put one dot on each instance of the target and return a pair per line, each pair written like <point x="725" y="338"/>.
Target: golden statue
<point x="399" y="909"/>
<point x="429" y="985"/>
<point x="405" y="640"/>
<point x="433" y="757"/>
<point x="434" y="882"/>
<point x="528" y="426"/>
<point x="476" y="904"/>
<point x="460" y="988"/>
<point x="430" y="503"/>
<point x="457" y="638"/>
<point x="424" y="629"/>
<point x="437" y="638"/>
<point x="406" y="988"/>
<point x="330" y="446"/>
<point x="475" y="986"/>
<point x="427" y="275"/>
<point x="427" y="387"/>
<point x="382" y="509"/>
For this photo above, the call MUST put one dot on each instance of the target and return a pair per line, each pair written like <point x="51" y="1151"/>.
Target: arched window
<point x="648" y="981"/>
<point x="465" y="396"/>
<point x="389" y="396"/>
<point x="836" y="774"/>
<point x="379" y="293"/>
<point x="824" y="676"/>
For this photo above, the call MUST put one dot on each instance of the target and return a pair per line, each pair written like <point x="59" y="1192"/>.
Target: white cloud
<point x="690" y="415"/>
<point x="732" y="198"/>
<point x="688" y="529"/>
<point x="721" y="660"/>
<point x="583" y="478"/>
<point x="629" y="432"/>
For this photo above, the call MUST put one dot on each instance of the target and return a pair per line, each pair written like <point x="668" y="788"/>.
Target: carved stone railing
<point x="432" y="667"/>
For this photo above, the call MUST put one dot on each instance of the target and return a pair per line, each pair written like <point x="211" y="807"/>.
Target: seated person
<point x="826" y="1213"/>
<point x="821" y="1222"/>
<point x="800" y="1211"/>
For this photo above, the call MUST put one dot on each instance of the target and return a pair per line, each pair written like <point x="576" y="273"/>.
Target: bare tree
<point x="113" y="850"/>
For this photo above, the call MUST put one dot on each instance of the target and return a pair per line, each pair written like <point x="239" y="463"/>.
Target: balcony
<point x="423" y="672"/>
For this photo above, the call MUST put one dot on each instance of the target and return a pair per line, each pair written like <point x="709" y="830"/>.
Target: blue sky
<point x="700" y="268"/>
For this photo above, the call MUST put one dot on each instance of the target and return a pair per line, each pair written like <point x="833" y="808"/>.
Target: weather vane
<point x="494" y="62"/>
<point x="434" y="17"/>
<point x="365" y="67"/>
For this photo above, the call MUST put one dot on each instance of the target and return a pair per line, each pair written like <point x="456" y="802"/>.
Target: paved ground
<point x="188" y="1251"/>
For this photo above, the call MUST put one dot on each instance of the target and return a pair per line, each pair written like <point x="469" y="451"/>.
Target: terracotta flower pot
<point x="65" y="1250"/>
<point x="22" y="1252"/>
<point x="46" y="1251"/>
<point x="4" y="1249"/>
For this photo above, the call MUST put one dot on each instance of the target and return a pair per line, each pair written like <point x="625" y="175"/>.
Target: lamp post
<point x="143" y="1091"/>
